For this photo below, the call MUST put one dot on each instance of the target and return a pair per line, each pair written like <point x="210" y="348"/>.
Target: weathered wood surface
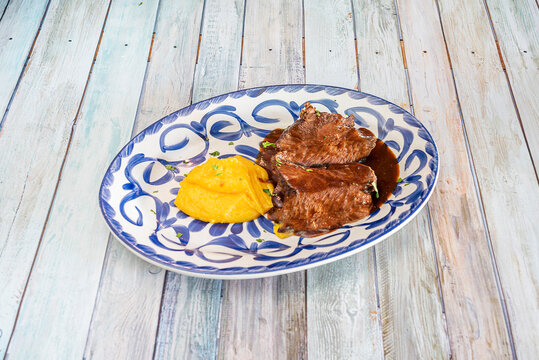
<point x="265" y="318"/>
<point x="516" y="25"/>
<point x="18" y="30"/>
<point x="34" y="138"/>
<point x="189" y="320"/>
<point x="343" y="321"/>
<point x="410" y="303"/>
<point x="129" y="298"/>
<point x="74" y="240"/>
<point x="475" y="321"/>
<point x="498" y="147"/>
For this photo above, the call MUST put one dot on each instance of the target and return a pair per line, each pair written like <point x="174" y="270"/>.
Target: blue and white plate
<point x="138" y="191"/>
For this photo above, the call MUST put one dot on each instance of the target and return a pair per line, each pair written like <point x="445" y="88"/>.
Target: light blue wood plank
<point x="265" y="318"/>
<point x="34" y="137"/>
<point x="116" y="330"/>
<point x="506" y="175"/>
<point x="475" y="321"/>
<point x="342" y="315"/>
<point x="188" y="325"/>
<point x="3" y="5"/>
<point x="18" y="29"/>
<point x="410" y="304"/>
<point x="57" y="307"/>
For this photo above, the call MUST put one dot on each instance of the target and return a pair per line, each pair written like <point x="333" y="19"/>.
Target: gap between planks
<point x="61" y="166"/>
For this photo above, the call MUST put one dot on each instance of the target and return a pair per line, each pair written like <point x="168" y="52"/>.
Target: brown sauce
<point x="381" y="160"/>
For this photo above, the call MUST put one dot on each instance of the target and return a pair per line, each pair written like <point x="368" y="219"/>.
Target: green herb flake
<point x="406" y="184"/>
<point x="170" y="167"/>
<point x="179" y="235"/>
<point x="376" y="194"/>
<point x="153" y="211"/>
<point x="399" y="180"/>
<point x="265" y="144"/>
<point x="215" y="167"/>
<point x="278" y="161"/>
<point x="206" y="138"/>
<point x="140" y="3"/>
<point x="325" y="137"/>
<point x="218" y="174"/>
<point x="185" y="161"/>
<point x="259" y="240"/>
<point x="156" y="191"/>
<point x="231" y="143"/>
<point x="268" y="192"/>
<point x="304" y="168"/>
<point x="215" y="153"/>
<point x="317" y="113"/>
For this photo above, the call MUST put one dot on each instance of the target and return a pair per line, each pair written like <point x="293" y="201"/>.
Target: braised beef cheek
<point x="314" y="201"/>
<point x="317" y="139"/>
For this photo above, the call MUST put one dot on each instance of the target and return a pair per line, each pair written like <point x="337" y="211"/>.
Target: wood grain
<point x="505" y="173"/>
<point x="343" y="321"/>
<point x="517" y="30"/>
<point x="265" y="318"/>
<point x="36" y="133"/>
<point x="189" y="318"/>
<point x="129" y="297"/>
<point x="410" y="305"/>
<point x="475" y="321"/>
<point x="18" y="30"/>
<point x="61" y="291"/>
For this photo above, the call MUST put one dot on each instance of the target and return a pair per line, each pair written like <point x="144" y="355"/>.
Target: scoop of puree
<point x="227" y="190"/>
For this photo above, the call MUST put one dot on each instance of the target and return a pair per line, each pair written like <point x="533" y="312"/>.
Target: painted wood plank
<point x="189" y="321"/>
<point x="410" y="304"/>
<point x="62" y="288"/>
<point x="265" y="318"/>
<point x="474" y="316"/>
<point x="343" y="321"/>
<point x="127" y="279"/>
<point x="3" y="6"/>
<point x="505" y="173"/>
<point x="517" y="28"/>
<point x="18" y="30"/>
<point x="36" y="133"/>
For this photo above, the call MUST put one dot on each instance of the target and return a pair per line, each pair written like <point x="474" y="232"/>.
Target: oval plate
<point x="138" y="190"/>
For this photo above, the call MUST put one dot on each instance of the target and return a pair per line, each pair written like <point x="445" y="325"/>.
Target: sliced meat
<point x="318" y="138"/>
<point x="314" y="201"/>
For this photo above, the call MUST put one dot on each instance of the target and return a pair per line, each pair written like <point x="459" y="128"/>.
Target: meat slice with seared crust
<point x="314" y="201"/>
<point x="318" y="138"/>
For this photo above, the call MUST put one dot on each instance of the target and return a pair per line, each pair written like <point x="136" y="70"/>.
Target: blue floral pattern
<point x="138" y="190"/>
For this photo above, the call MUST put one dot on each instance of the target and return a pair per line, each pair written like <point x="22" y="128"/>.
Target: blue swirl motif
<point x="225" y="246"/>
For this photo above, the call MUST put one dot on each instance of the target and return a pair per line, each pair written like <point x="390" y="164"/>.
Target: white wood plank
<point x="343" y="321"/>
<point x="410" y="305"/>
<point x="505" y="173"/>
<point x="18" y="30"/>
<point x="265" y="318"/>
<point x="56" y="310"/>
<point x="473" y="309"/>
<point x="116" y="329"/>
<point x="34" y="137"/>
<point x="3" y="6"/>
<point x="517" y="28"/>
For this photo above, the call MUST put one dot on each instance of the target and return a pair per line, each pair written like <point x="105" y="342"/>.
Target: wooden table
<point x="79" y="78"/>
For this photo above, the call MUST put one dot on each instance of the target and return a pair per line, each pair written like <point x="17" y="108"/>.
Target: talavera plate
<point x="138" y="190"/>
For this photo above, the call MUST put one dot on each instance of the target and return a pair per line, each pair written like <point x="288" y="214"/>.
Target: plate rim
<point x="287" y="268"/>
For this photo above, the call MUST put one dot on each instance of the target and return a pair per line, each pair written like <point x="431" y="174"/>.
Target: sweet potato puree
<point x="227" y="190"/>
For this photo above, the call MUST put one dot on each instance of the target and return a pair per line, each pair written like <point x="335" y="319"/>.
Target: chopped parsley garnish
<point x="376" y="194"/>
<point x="218" y="174"/>
<point x="215" y="167"/>
<point x="170" y="167"/>
<point x="304" y="168"/>
<point x="278" y="161"/>
<point x="206" y="138"/>
<point x="265" y="144"/>
<point x="140" y="3"/>
<point x="152" y="210"/>
<point x="231" y="143"/>
<point x="178" y="235"/>
<point x="406" y="184"/>
<point x="185" y="161"/>
<point x="268" y="192"/>
<point x="259" y="240"/>
<point x="317" y="113"/>
<point x="215" y="153"/>
<point x="325" y="137"/>
<point x="156" y="191"/>
<point x="399" y="180"/>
